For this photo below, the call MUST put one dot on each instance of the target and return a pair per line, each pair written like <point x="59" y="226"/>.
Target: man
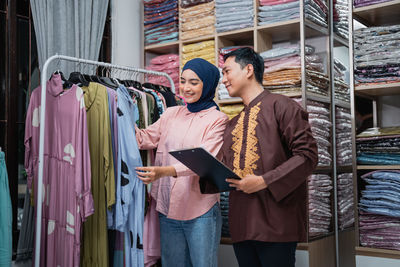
<point x="270" y="145"/>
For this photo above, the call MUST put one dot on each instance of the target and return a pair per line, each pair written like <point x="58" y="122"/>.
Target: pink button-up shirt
<point x="180" y="198"/>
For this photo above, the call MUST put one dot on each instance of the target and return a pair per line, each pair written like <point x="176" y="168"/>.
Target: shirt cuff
<point x="87" y="205"/>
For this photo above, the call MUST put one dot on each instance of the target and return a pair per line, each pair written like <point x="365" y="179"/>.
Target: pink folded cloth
<point x="164" y="59"/>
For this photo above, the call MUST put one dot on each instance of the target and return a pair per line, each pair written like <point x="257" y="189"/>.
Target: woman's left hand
<point x="153" y="173"/>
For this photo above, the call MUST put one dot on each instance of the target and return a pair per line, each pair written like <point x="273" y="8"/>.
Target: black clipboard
<point x="206" y="166"/>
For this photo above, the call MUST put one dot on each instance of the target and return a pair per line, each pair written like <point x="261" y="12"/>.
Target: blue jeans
<point x="192" y="242"/>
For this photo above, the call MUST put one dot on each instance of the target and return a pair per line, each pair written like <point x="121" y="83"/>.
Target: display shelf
<point x="343" y="104"/>
<point x="302" y="246"/>
<point x="291" y="95"/>
<point x="381" y="14"/>
<point x="340" y="41"/>
<point x="233" y="100"/>
<point x="378" y="89"/>
<point x="378" y="167"/>
<point x="315" y="30"/>
<point x="378" y="252"/>
<point x="345" y="169"/>
<point x="317" y="97"/>
<point x="198" y="39"/>
<point x="281" y="31"/>
<point x="323" y="169"/>
<point x="237" y="33"/>
<point x="319" y="237"/>
<point x="347" y="229"/>
<point x="163" y="48"/>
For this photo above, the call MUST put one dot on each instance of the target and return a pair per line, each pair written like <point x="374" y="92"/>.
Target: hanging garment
<point x="25" y="240"/>
<point x="130" y="189"/>
<point x="5" y="216"/>
<point x="95" y="242"/>
<point x="67" y="199"/>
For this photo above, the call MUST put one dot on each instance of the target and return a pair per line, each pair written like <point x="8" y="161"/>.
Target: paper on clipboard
<point x="206" y="166"/>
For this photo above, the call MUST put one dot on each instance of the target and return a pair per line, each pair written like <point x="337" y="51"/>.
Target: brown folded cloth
<point x="198" y="33"/>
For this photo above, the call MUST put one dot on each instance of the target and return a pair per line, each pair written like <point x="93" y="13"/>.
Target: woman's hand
<point x="153" y="173"/>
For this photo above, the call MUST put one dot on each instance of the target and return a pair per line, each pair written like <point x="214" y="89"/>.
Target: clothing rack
<point x="42" y="126"/>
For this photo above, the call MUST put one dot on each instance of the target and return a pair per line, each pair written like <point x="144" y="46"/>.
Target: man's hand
<point x="248" y="184"/>
<point x="153" y="173"/>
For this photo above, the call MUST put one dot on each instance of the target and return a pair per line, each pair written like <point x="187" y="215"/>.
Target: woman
<point x="190" y="222"/>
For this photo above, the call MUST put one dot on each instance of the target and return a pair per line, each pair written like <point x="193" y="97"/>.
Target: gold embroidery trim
<point x="237" y="138"/>
<point x="251" y="155"/>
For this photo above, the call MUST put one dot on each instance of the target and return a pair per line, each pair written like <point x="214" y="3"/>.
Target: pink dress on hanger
<point x="67" y="199"/>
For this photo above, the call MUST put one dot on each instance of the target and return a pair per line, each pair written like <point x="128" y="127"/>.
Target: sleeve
<point x="212" y="142"/>
<point x="108" y="156"/>
<point x="83" y="173"/>
<point x="296" y="133"/>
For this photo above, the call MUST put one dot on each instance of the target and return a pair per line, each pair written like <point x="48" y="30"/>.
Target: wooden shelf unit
<point x="378" y="89"/>
<point x="381" y="14"/>
<point x="386" y="13"/>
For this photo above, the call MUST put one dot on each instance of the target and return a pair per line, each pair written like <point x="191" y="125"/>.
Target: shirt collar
<point x="55" y="85"/>
<point x="257" y="99"/>
<point x="201" y="113"/>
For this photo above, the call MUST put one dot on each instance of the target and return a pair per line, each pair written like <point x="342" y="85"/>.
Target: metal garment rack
<point x="42" y="126"/>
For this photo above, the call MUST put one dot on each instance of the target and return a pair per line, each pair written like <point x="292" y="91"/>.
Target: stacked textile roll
<point x="316" y="11"/>
<point x="205" y="50"/>
<point x="319" y="204"/>
<point x="379" y="231"/>
<point x="360" y="3"/>
<point x="165" y="63"/>
<point x="342" y="89"/>
<point x="282" y="69"/>
<point x="160" y="21"/>
<point x="345" y="200"/>
<point x="379" y="146"/>
<point x="344" y="154"/>
<point x="341" y="18"/>
<point x="377" y="55"/>
<point x="224" y="204"/>
<point x="197" y="19"/>
<point x="233" y="14"/>
<point x="318" y="117"/>
<point x="271" y="11"/>
<point x="380" y="210"/>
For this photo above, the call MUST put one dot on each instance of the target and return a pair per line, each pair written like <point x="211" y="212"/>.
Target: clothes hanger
<point x="78" y="79"/>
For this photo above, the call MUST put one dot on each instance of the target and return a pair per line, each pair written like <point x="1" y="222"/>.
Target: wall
<point x="126" y="25"/>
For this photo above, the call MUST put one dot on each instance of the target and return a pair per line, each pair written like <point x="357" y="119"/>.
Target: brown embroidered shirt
<point x="271" y="137"/>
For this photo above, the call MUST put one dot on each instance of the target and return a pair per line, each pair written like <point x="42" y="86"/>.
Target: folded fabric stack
<point x="282" y="73"/>
<point x="317" y="80"/>
<point x="379" y="231"/>
<point x="340" y="18"/>
<point x="318" y="117"/>
<point x="271" y="11"/>
<point x="233" y="14"/>
<point x="380" y="210"/>
<point x="319" y="204"/>
<point x="316" y="11"/>
<point x="160" y="21"/>
<point x="344" y="154"/>
<point x="342" y="90"/>
<point x="232" y="110"/>
<point x="197" y="18"/>
<point x="165" y="63"/>
<point x="224" y="204"/>
<point x="379" y="146"/>
<point x="360" y="3"/>
<point x="205" y="50"/>
<point x="377" y="54"/>
<point x="345" y="200"/>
